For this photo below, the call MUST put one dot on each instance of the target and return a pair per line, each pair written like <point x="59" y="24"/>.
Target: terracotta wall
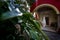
<point x="55" y="3"/>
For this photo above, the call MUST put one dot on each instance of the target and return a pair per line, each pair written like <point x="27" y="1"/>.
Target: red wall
<point x="56" y="3"/>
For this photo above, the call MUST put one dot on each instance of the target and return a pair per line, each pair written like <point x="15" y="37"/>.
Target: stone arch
<point x="50" y="5"/>
<point x="55" y="10"/>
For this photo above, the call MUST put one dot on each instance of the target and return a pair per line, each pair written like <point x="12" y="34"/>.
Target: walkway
<point x="48" y="29"/>
<point x="51" y="33"/>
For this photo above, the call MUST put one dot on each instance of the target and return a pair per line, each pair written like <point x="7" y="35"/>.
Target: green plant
<point x="30" y="28"/>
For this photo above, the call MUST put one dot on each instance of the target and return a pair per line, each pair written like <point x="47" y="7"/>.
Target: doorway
<point x="50" y="16"/>
<point x="47" y="20"/>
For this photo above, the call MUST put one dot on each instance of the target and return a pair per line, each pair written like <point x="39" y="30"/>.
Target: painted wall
<point x="55" y="3"/>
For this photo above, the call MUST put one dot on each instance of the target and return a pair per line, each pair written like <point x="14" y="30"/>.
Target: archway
<point x="47" y="14"/>
<point x="50" y="5"/>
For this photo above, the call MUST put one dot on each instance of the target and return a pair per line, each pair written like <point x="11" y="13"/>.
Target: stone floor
<point x="52" y="34"/>
<point x="48" y="29"/>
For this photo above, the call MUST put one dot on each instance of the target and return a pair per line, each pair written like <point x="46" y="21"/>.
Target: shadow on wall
<point x="54" y="24"/>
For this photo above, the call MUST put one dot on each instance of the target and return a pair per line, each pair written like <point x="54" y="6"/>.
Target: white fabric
<point x="44" y="22"/>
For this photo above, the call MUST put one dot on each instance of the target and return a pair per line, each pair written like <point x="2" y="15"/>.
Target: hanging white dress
<point x="44" y="22"/>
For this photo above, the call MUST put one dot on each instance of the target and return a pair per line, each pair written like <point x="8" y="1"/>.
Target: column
<point x="58" y="27"/>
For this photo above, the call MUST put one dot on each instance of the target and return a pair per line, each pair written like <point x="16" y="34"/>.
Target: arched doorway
<point x="48" y="15"/>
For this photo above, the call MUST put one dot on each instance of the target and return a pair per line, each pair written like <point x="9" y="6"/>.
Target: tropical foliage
<point x="14" y="13"/>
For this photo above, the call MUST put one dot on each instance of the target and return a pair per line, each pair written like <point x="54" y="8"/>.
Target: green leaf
<point x="9" y="15"/>
<point x="33" y="27"/>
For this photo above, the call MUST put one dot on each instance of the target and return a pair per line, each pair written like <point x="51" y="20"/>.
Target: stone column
<point x="58" y="27"/>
